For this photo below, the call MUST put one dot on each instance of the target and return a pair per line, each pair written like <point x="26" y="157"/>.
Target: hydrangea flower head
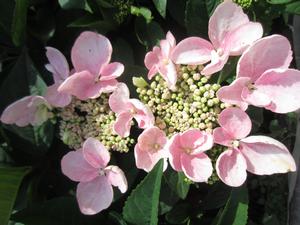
<point x="260" y="155"/>
<point x="89" y="167"/>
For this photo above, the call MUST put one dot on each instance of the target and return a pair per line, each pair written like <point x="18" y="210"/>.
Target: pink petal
<point x="152" y="72"/>
<point x="169" y="73"/>
<point x="111" y="71"/>
<point x="165" y="48"/>
<point x="58" y="66"/>
<point x="151" y="58"/>
<point x="74" y="166"/>
<point x="171" y="39"/>
<point x="26" y="111"/>
<point x="217" y="63"/>
<point x="231" y="168"/>
<point x="118" y="100"/>
<point x="222" y="137"/>
<point x="116" y="177"/>
<point x="146" y="160"/>
<point x="192" y="50"/>
<point x="196" y="141"/>
<point x="255" y="97"/>
<point x="94" y="196"/>
<point x="265" y="155"/>
<point x="175" y="150"/>
<point x="267" y="53"/>
<point x="227" y="17"/>
<point x="55" y="98"/>
<point x="282" y="88"/>
<point x="198" y="168"/>
<point x="143" y="114"/>
<point x="95" y="153"/>
<point x="235" y="122"/>
<point x="106" y="86"/>
<point x="239" y="39"/>
<point x="90" y="52"/>
<point x="82" y="85"/>
<point x="152" y="139"/>
<point x="232" y="94"/>
<point x="123" y="124"/>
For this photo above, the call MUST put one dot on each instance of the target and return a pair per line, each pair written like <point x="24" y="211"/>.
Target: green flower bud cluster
<point x="213" y="154"/>
<point x="244" y="3"/>
<point x="192" y="105"/>
<point x="123" y="9"/>
<point x="92" y="118"/>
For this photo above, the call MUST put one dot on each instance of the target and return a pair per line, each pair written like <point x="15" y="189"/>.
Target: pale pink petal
<point x="265" y="155"/>
<point x="82" y="85"/>
<point x="152" y="139"/>
<point x="90" y="52"/>
<point x="231" y="168"/>
<point x="171" y="39"/>
<point x="197" y="168"/>
<point x="238" y="40"/>
<point x="192" y="50"/>
<point x="123" y="124"/>
<point x="165" y="49"/>
<point x="94" y="196"/>
<point x="95" y="153"/>
<point x="267" y="53"/>
<point x="106" y="86"/>
<point x="58" y="66"/>
<point x="26" y="111"/>
<point x="226" y="18"/>
<point x="222" y="137"/>
<point x="152" y="72"/>
<point x="232" y="94"/>
<point x="116" y="177"/>
<point x="151" y="58"/>
<point x="217" y="63"/>
<point x="175" y="149"/>
<point x="143" y="114"/>
<point x="111" y="71"/>
<point x="56" y="98"/>
<point x="255" y="97"/>
<point x="118" y="100"/>
<point x="282" y="88"/>
<point x="235" y="122"/>
<point x="74" y="166"/>
<point x="169" y="73"/>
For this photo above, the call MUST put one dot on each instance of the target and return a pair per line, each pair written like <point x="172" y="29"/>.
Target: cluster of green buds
<point x="192" y="105"/>
<point x="245" y="4"/>
<point x="91" y="118"/>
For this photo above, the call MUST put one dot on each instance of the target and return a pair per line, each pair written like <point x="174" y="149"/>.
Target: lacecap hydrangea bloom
<point x="196" y="125"/>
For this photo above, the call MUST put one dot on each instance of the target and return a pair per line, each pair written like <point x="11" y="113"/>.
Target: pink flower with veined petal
<point x="260" y="155"/>
<point x="187" y="154"/>
<point x="128" y="108"/>
<point x="94" y="74"/>
<point x="89" y="167"/>
<point x="230" y="33"/>
<point x="60" y="70"/>
<point x="263" y="77"/>
<point x="158" y="61"/>
<point x="32" y="110"/>
<point x="150" y="149"/>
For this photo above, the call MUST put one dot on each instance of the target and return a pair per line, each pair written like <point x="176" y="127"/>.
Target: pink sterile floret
<point x="59" y="68"/>
<point x="151" y="147"/>
<point x="260" y="155"/>
<point x="230" y="33"/>
<point x="187" y="154"/>
<point x="128" y="108"/>
<point x="91" y="54"/>
<point x="89" y="167"/>
<point x="158" y="61"/>
<point x="32" y="110"/>
<point x="264" y="79"/>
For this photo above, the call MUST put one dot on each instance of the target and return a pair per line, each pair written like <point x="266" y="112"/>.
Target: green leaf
<point x="74" y="4"/>
<point x="257" y="117"/>
<point x="141" y="207"/>
<point x="177" y="11"/>
<point x="293" y="8"/>
<point x="11" y="179"/>
<point x="196" y="18"/>
<point x="117" y="218"/>
<point x="141" y="12"/>
<point x="122" y="52"/>
<point x="148" y="34"/>
<point x="177" y="183"/>
<point x="279" y="1"/>
<point x="211" y="5"/>
<point x="58" y="211"/>
<point x="18" y="27"/>
<point x="179" y="214"/>
<point x="161" y="6"/>
<point x="236" y="209"/>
